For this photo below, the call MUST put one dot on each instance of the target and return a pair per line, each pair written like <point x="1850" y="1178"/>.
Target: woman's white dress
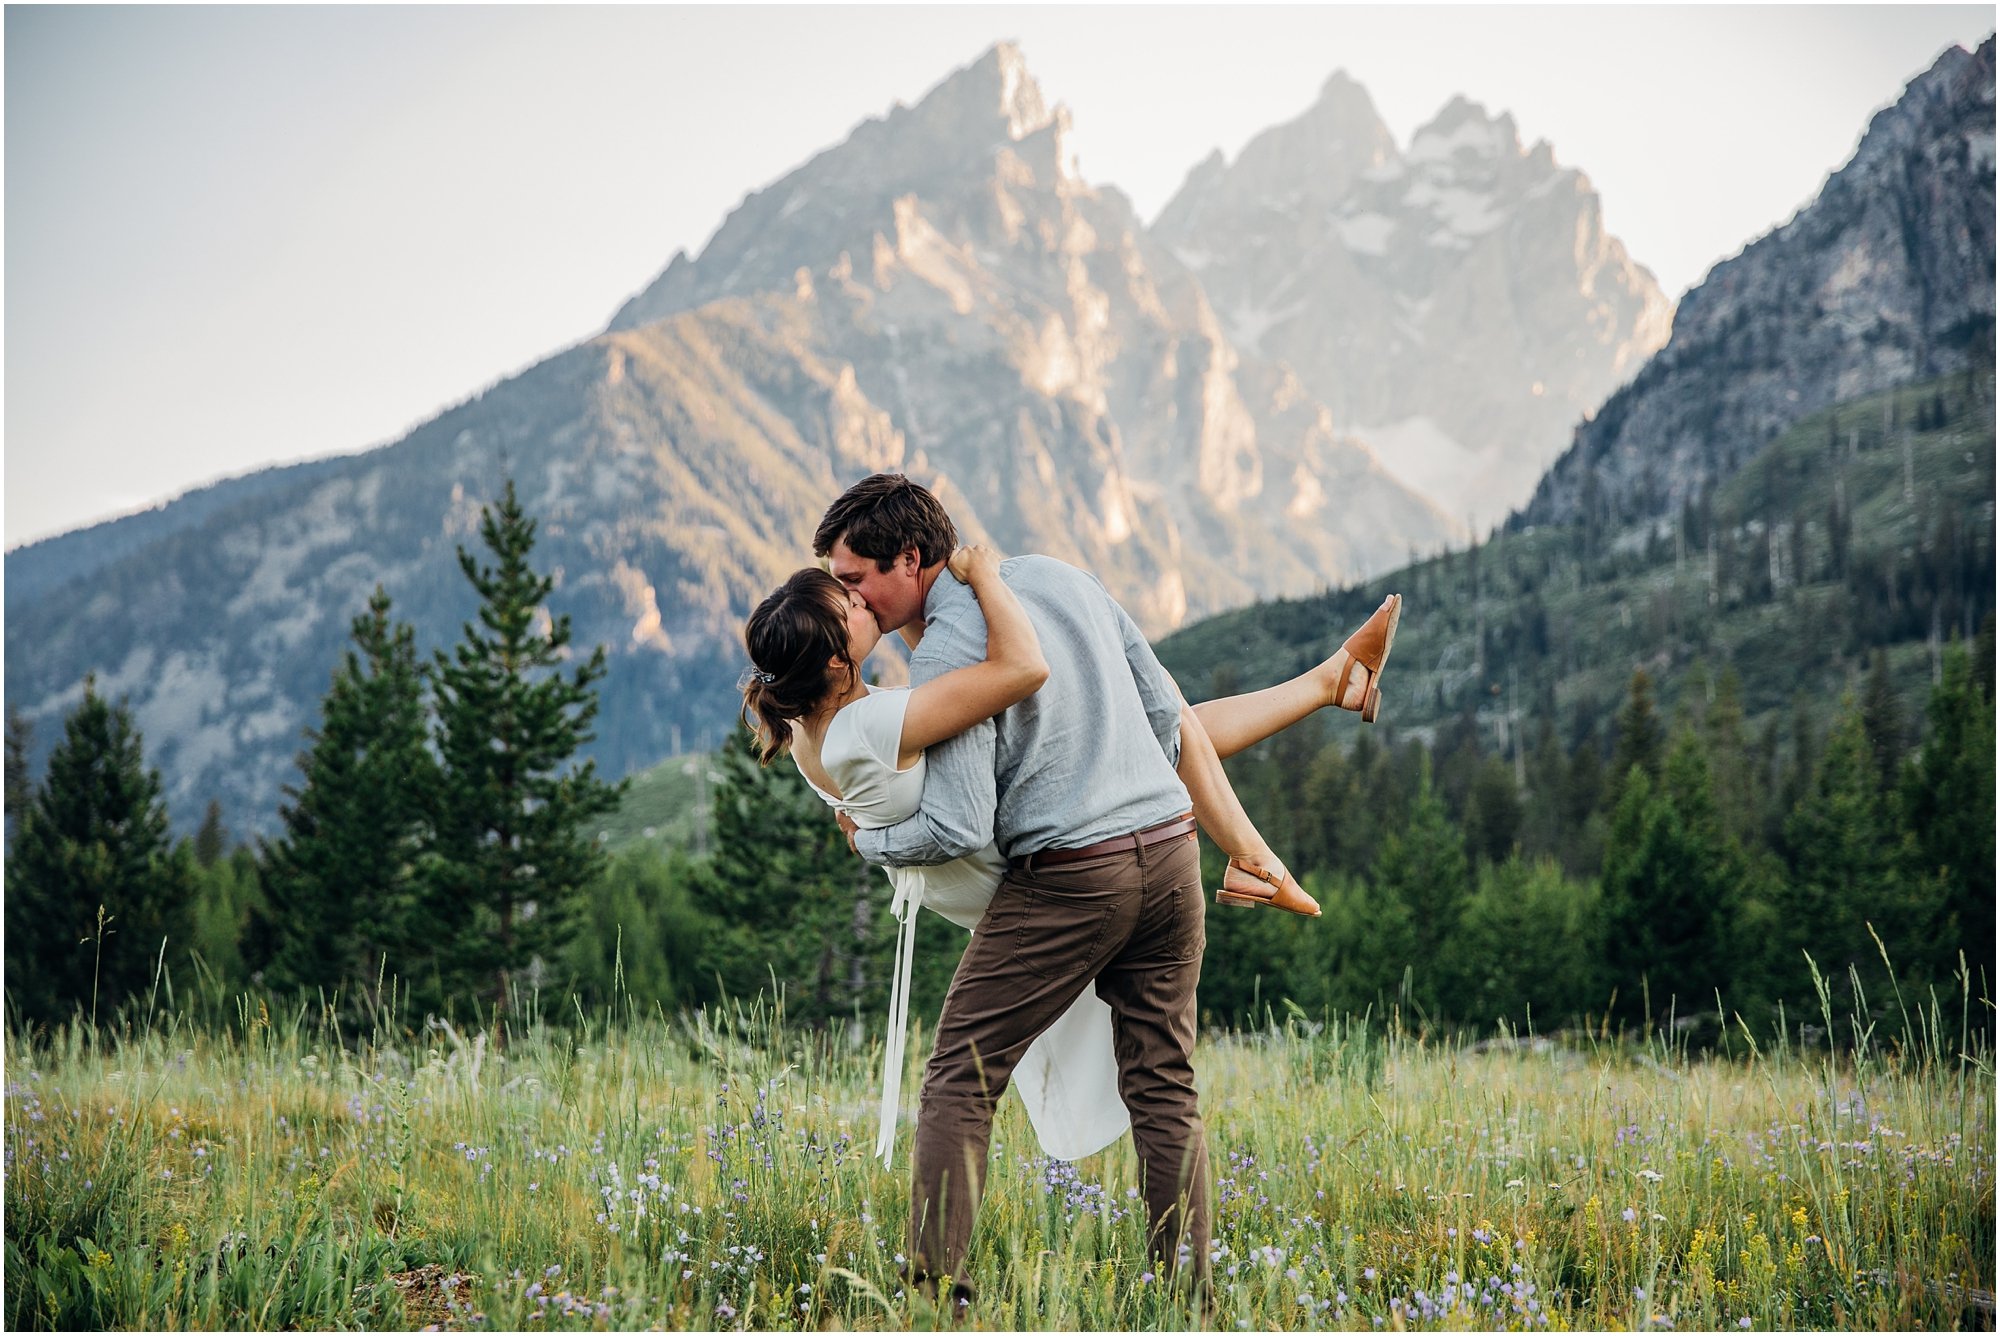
<point x="1069" y="1077"/>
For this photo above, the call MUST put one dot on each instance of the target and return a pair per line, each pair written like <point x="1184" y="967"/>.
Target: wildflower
<point x="1650" y="1175"/>
<point x="1630" y="1215"/>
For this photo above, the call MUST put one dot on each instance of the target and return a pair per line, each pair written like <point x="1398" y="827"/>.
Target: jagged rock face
<point x="1885" y="278"/>
<point x="978" y="318"/>
<point x="1060" y="368"/>
<point x="1458" y="305"/>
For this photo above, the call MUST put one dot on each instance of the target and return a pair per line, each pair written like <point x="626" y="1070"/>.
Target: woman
<point x="861" y="749"/>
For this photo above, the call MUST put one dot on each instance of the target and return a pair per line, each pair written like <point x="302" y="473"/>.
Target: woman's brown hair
<point x="798" y="628"/>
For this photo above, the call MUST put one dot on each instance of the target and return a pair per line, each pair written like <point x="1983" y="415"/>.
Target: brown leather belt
<point x="1138" y="839"/>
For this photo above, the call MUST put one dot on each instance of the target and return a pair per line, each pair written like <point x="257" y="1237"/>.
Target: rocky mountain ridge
<point x="1886" y="277"/>
<point x="1458" y="303"/>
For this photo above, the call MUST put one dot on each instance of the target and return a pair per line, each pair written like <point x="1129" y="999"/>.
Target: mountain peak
<point x="1464" y="125"/>
<point x="996" y="88"/>
<point x="1342" y="100"/>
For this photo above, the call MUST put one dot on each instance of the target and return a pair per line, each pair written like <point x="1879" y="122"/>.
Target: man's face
<point x="895" y="597"/>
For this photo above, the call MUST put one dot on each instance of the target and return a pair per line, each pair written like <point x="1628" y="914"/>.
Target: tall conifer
<point x="787" y="887"/>
<point x="1948" y="794"/>
<point x="514" y="847"/>
<point x="94" y="887"/>
<point x="340" y="881"/>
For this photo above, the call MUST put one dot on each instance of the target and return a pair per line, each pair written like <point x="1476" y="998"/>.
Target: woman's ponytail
<point x="793" y="637"/>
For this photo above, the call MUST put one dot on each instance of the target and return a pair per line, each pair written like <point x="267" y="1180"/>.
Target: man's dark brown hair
<point x="884" y="515"/>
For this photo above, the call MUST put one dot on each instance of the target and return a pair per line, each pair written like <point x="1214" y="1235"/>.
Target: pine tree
<point x="1492" y="812"/>
<point x="1527" y="946"/>
<point x="1641" y="740"/>
<point x="211" y="841"/>
<point x="1841" y="840"/>
<point x="512" y="851"/>
<point x="340" y="882"/>
<point x="1882" y="722"/>
<point x="1948" y="793"/>
<point x="1670" y="874"/>
<point x="784" y="884"/>
<point x="1732" y="766"/>
<point x="19" y="734"/>
<point x="227" y="902"/>
<point x="95" y="891"/>
<point x="1423" y="867"/>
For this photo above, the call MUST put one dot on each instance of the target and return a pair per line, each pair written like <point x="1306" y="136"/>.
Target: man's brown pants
<point x="1130" y="921"/>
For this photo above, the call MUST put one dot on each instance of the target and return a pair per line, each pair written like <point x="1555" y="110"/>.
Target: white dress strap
<point x="909" y="898"/>
<point x="860" y="753"/>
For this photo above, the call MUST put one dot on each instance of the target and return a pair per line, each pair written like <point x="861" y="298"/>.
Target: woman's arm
<point x="1011" y="672"/>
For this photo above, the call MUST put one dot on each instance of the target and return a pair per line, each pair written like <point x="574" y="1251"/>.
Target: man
<point x="1077" y="787"/>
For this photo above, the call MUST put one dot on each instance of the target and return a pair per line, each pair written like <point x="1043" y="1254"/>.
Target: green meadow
<point x="712" y="1171"/>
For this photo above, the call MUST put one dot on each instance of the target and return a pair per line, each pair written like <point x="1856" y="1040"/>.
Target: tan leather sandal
<point x="1369" y="648"/>
<point x="1277" y="891"/>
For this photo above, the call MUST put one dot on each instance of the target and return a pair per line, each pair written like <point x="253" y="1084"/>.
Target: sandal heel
<point x="1240" y="901"/>
<point x="1372" y="706"/>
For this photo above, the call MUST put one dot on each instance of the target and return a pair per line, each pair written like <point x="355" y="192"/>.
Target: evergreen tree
<point x="1582" y="850"/>
<point x="641" y="934"/>
<point x="1948" y="793"/>
<point x="1326" y="803"/>
<point x="212" y="840"/>
<point x="786" y="887"/>
<point x="1670" y="875"/>
<point x="95" y="890"/>
<point x="1882" y="722"/>
<point x="341" y="880"/>
<point x="1423" y="867"/>
<point x="1731" y="764"/>
<point x="1641" y="740"/>
<point x="227" y="902"/>
<point x="1841" y="840"/>
<point x="512" y="851"/>
<point x="1543" y="821"/>
<point x="19" y="733"/>
<point x="1526" y="947"/>
<point x="1354" y="960"/>
<point x="1492" y="812"/>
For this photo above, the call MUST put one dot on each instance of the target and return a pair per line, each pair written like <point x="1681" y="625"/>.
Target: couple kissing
<point x="1039" y="783"/>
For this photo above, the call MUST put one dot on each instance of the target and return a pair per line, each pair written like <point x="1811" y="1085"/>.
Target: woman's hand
<point x="974" y="559"/>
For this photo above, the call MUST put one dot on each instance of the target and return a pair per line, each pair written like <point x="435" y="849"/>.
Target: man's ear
<point x="916" y="558"/>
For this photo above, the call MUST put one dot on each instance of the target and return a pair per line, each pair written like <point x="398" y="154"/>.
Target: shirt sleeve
<point x="1157" y="691"/>
<point x="960" y="795"/>
<point x="877" y="739"/>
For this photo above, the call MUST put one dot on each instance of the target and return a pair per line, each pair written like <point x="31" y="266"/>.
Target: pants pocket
<point x="1056" y="935"/>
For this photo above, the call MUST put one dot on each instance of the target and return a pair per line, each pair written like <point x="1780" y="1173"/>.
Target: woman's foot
<point x="1262" y="882"/>
<point x="1351" y="677"/>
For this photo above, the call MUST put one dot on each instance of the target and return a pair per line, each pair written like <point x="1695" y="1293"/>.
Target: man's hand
<point x="848" y="828"/>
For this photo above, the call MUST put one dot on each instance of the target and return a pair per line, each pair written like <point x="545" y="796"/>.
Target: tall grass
<point x="224" y="1166"/>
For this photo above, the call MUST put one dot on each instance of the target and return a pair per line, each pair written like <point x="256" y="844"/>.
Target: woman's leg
<point x="1216" y="806"/>
<point x="1221" y="814"/>
<point x="1236" y="722"/>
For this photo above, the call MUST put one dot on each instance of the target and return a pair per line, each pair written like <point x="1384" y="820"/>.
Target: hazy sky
<point x="241" y="236"/>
